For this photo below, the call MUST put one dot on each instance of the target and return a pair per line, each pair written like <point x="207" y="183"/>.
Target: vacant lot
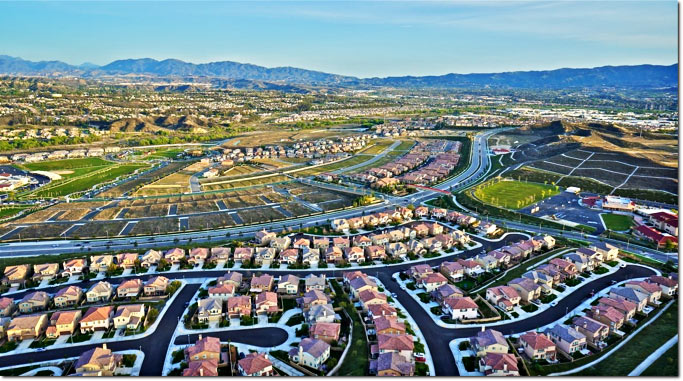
<point x="154" y="175"/>
<point x="617" y="222"/>
<point x="513" y="194"/>
<point x="175" y="183"/>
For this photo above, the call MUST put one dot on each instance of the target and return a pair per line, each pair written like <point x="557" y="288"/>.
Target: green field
<point x="67" y="164"/>
<point x="10" y="211"/>
<point x="513" y="194"/>
<point x="87" y="182"/>
<point x="667" y="365"/>
<point x="617" y="222"/>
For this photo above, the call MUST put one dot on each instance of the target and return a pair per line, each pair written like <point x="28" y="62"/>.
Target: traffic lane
<point x="491" y="245"/>
<point x="444" y="363"/>
<point x="260" y="337"/>
<point x="153" y="346"/>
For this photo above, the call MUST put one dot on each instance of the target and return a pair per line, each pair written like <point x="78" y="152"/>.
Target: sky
<point x="364" y="39"/>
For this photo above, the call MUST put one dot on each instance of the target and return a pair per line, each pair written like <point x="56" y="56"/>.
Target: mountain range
<point x="637" y="76"/>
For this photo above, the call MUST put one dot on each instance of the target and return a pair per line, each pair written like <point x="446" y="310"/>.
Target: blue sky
<point x="370" y="38"/>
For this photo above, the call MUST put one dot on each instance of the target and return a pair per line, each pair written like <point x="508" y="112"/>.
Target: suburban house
<point x="198" y="255"/>
<point x="418" y="272"/>
<point x="389" y="325"/>
<point x="232" y="277"/>
<point x="668" y="285"/>
<point x="289" y="256"/>
<point x="222" y="291"/>
<point x="327" y="332"/>
<point x="609" y="316"/>
<point x="499" y="364"/>
<point x="288" y="284"/>
<point x="97" y="319"/>
<point x="609" y="252"/>
<point x="378" y="310"/>
<point x="315" y="282"/>
<point x="63" y="323"/>
<point x="243" y="254"/>
<point x="632" y="295"/>
<point x="595" y="331"/>
<point x="34" y="302"/>
<point x="266" y="302"/>
<point x="98" y="362"/>
<point x="206" y="348"/>
<point x="130" y="288"/>
<point x="527" y="289"/>
<point x="392" y="364"/>
<point x="129" y="316"/>
<point x="261" y="283"/>
<point x="320" y="313"/>
<point x="75" y="266"/>
<point x="150" y="258"/>
<point x="567" y="339"/>
<point x="401" y="344"/>
<point x="99" y="292"/>
<point x="312" y="298"/>
<point x="652" y="290"/>
<point x="538" y="346"/>
<point x="101" y="263"/>
<point x="26" y="327"/>
<point x="219" y="254"/>
<point x="452" y="270"/>
<point x="310" y="352"/>
<point x="126" y="260"/>
<point x="156" y="286"/>
<point x="210" y="310"/>
<point x="264" y="237"/>
<point x="7" y="307"/>
<point x="264" y="255"/>
<point x="504" y="297"/>
<point x="239" y="306"/>
<point x="68" y="296"/>
<point x="16" y="275"/>
<point x="624" y="306"/>
<point x="175" y="255"/>
<point x="433" y="281"/>
<point x="460" y="308"/>
<point x="45" y="271"/>
<point x="488" y="341"/>
<point x="255" y="364"/>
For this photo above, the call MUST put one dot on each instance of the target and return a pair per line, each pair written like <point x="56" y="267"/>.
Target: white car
<point x="622" y="265"/>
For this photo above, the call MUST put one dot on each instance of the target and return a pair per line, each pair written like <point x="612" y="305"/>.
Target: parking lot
<point x="565" y="206"/>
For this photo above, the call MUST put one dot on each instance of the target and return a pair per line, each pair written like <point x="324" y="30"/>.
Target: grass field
<point x="617" y="222"/>
<point x="667" y="365"/>
<point x="378" y="147"/>
<point x="11" y="211"/>
<point x="513" y="194"/>
<point x="58" y="165"/>
<point x="86" y="182"/>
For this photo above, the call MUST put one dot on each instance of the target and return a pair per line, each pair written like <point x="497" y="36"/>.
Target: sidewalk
<point x="654" y="356"/>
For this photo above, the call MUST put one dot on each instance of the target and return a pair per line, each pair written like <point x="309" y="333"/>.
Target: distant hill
<point x="228" y="73"/>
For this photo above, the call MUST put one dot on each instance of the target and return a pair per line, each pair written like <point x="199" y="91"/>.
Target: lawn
<point x="60" y="165"/>
<point x="617" y="222"/>
<point x="666" y="365"/>
<point x="10" y="211"/>
<point x="513" y="194"/>
<point x="356" y="361"/>
<point x="87" y="182"/>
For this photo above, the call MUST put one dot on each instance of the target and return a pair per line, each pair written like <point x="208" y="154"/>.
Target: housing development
<point x="166" y="218"/>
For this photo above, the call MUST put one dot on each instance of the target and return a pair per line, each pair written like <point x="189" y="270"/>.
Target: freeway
<point x="479" y="162"/>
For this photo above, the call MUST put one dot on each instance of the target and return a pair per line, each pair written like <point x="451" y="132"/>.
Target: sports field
<point x="513" y="194"/>
<point x="617" y="222"/>
<point x="84" y="183"/>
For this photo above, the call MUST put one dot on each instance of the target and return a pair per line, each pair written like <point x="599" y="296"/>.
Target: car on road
<point x="420" y="359"/>
<point x="553" y="304"/>
<point x="622" y="265"/>
<point x="41" y="350"/>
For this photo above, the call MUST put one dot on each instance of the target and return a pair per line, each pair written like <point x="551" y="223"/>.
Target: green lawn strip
<point x="11" y="211"/>
<point x="68" y="164"/>
<point x="356" y="360"/>
<point x="631" y="354"/>
<point x="513" y="194"/>
<point x="617" y="222"/>
<point x="666" y="365"/>
<point x="88" y="182"/>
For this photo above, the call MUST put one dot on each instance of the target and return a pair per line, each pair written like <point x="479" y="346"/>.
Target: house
<point x="382" y="309"/>
<point x="397" y="249"/>
<point x="566" y="268"/>
<point x="582" y="262"/>
<point x="264" y="237"/>
<point x="261" y="283"/>
<point x="97" y="319"/>
<point x="230" y="277"/>
<point x="369" y="297"/>
<point x="239" y="306"/>
<point x="26" y="327"/>
<point x="488" y="341"/>
<point x="487" y="262"/>
<point x="129" y="316"/>
<point x="389" y="325"/>
<point x="289" y="256"/>
<point x="130" y="288"/>
<point x="566" y="339"/>
<point x="652" y="290"/>
<point x="446" y="291"/>
<point x="401" y="344"/>
<point x="609" y="316"/>
<point x="74" y="267"/>
<point x="175" y="256"/>
<point x="280" y="243"/>
<point x="321" y="243"/>
<point x="68" y="296"/>
<point x="504" y="297"/>
<point x="418" y="272"/>
<point x="222" y="291"/>
<point x="198" y="255"/>
<point x="431" y="244"/>
<point x="632" y="295"/>
<point x="439" y="213"/>
<point x="255" y="364"/>
<point x="312" y="257"/>
<point x="7" y="307"/>
<point x="609" y="252"/>
<point x="310" y="352"/>
<point x="206" y="348"/>
<point x="63" y="323"/>
<point x="320" y="313"/>
<point x="668" y="285"/>
<point x="98" y="362"/>
<point x="341" y="242"/>
<point x="486" y="228"/>
<point x="471" y="268"/>
<point x="460" y="308"/>
<point x="219" y="254"/>
<point x="627" y="308"/>
<point x="313" y="297"/>
<point x="595" y="331"/>
<point x="421" y="230"/>
<point x="288" y="284"/>
<point x="15" y="275"/>
<point x="379" y="239"/>
<point x="452" y="270"/>
<point x="156" y="286"/>
<point x="201" y="368"/>
<point x="592" y="255"/>
<point x="537" y="346"/>
<point x="416" y="247"/>
<point x="527" y="289"/>
<point x="375" y="253"/>
<point x="396" y="235"/>
<point x="548" y="242"/>
<point x="264" y="255"/>
<point x="34" y="302"/>
<point x="126" y="260"/>
<point x="315" y="282"/>
<point x="243" y="254"/>
<point x="393" y="364"/>
<point x="361" y="241"/>
<point x="45" y="271"/>
<point x="101" y="263"/>
<point x="327" y="332"/>
<point x="499" y="364"/>
<point x="150" y="258"/>
<point x="360" y="284"/>
<point x="99" y="292"/>
<point x="302" y="242"/>
<point x="334" y="254"/>
<point x="542" y="279"/>
<point x="266" y="302"/>
<point x="421" y="211"/>
<point x="433" y="281"/>
<point x="210" y="309"/>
